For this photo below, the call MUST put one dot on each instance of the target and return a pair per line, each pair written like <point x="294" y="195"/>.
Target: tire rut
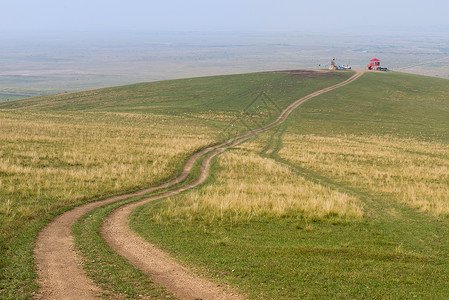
<point x="59" y="268"/>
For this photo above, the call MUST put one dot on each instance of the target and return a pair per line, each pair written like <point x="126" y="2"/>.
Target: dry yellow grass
<point x="53" y="160"/>
<point x="248" y="186"/>
<point x="413" y="172"/>
<point x="215" y="116"/>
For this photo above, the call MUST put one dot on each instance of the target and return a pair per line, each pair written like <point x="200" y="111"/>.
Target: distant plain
<point x="55" y="63"/>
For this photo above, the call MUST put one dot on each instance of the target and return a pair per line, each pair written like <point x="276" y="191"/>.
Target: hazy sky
<point x="225" y="15"/>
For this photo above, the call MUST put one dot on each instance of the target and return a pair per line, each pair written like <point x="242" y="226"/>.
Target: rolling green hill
<point x="64" y="150"/>
<point x="347" y="199"/>
<point x="383" y="140"/>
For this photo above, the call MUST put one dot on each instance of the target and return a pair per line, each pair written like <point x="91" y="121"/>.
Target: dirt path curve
<point x="152" y="261"/>
<point x="59" y="270"/>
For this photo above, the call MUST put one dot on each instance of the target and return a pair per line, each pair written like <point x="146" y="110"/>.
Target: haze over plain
<point x="52" y="46"/>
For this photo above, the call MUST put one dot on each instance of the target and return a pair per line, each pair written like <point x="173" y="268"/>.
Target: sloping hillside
<point x="63" y="150"/>
<point x="382" y="142"/>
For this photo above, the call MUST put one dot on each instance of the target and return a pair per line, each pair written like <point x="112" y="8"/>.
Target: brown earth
<point x="59" y="268"/>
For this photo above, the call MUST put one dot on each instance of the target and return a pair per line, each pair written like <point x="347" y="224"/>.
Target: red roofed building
<point x="374" y="64"/>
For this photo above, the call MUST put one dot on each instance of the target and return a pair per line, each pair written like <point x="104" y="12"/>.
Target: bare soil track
<point x="59" y="269"/>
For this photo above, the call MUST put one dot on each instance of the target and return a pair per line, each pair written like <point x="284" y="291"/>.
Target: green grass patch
<point x="106" y="268"/>
<point x="397" y="104"/>
<point x="299" y="258"/>
<point x="231" y="93"/>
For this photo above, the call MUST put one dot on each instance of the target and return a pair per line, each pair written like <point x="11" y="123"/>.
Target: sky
<point x="226" y="15"/>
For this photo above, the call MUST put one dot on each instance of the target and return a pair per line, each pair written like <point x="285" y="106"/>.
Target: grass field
<point x="347" y="199"/>
<point x="413" y="172"/>
<point x="63" y="150"/>
<point x="249" y="186"/>
<point x="381" y="145"/>
<point x="50" y="162"/>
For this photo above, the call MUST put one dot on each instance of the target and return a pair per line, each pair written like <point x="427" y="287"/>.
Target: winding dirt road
<point x="59" y="269"/>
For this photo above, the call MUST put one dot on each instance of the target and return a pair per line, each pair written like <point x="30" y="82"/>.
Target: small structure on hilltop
<point x="333" y="65"/>
<point x="375" y="65"/>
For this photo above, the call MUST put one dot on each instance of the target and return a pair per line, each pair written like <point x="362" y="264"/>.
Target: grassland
<point x="51" y="162"/>
<point x="413" y="172"/>
<point x="348" y="199"/>
<point x="63" y="150"/>
<point x="380" y="145"/>
<point x="249" y="186"/>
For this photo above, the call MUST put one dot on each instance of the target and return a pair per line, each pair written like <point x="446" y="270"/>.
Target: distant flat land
<point x="11" y="96"/>
<point x="50" y="64"/>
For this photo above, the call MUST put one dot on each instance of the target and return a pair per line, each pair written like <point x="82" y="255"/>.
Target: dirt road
<point x="60" y="274"/>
